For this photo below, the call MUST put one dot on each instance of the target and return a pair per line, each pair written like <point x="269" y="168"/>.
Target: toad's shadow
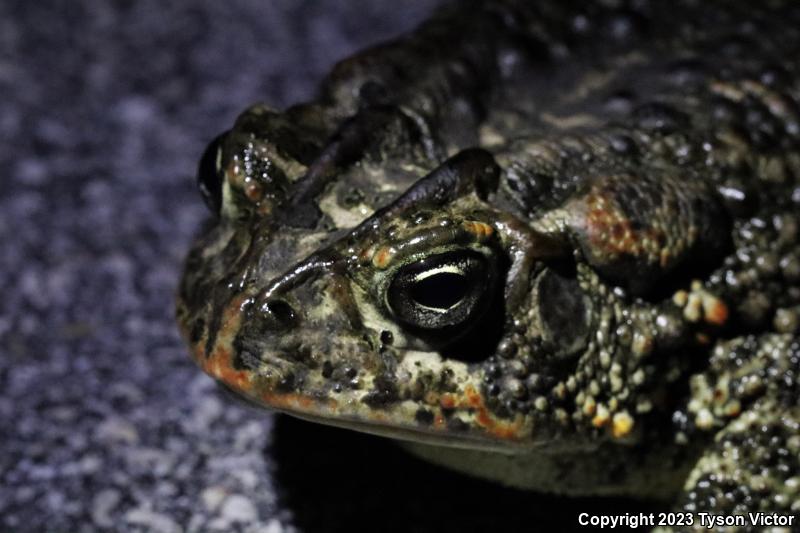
<point x="336" y="480"/>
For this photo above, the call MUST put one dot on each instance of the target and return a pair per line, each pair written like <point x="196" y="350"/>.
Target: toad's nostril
<point x="281" y="312"/>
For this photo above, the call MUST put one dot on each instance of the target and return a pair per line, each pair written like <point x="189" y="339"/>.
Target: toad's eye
<point x="210" y="175"/>
<point x="441" y="290"/>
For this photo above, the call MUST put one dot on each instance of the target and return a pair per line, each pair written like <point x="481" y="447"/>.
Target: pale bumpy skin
<point x="549" y="243"/>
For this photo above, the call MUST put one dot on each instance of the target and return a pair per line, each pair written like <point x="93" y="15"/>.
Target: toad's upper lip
<point x="457" y="416"/>
<point x="415" y="434"/>
<point x="328" y="412"/>
<point x="484" y="431"/>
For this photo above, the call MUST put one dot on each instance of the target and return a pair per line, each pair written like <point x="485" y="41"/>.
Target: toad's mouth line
<point x="477" y="426"/>
<point x="381" y="424"/>
<point x="411" y="434"/>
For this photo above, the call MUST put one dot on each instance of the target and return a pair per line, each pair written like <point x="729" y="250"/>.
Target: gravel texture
<point x="106" y="423"/>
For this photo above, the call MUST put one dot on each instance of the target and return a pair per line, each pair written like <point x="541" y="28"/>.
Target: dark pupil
<point x="209" y="181"/>
<point x="440" y="291"/>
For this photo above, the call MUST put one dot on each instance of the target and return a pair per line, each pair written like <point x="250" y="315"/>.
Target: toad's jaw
<point x="388" y="429"/>
<point x="457" y="419"/>
<point x="455" y="415"/>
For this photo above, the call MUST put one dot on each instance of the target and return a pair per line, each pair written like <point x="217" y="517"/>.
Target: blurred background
<point x="105" y="423"/>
